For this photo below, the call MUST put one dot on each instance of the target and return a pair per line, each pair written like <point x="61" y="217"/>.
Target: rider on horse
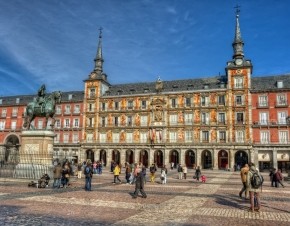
<point x="41" y="97"/>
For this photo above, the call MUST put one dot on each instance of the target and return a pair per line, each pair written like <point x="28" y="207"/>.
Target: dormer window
<point x="70" y="96"/>
<point x="146" y="90"/>
<point x="205" y="86"/>
<point x="279" y="84"/>
<point x="222" y="85"/>
<point x="174" y="86"/>
<point x="1" y="102"/>
<point x="17" y="100"/>
<point x="120" y="92"/>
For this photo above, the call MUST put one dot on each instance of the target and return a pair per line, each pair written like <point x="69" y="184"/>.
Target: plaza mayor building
<point x="216" y="123"/>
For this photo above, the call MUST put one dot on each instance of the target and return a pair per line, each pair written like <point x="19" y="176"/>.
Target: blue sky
<point x="54" y="42"/>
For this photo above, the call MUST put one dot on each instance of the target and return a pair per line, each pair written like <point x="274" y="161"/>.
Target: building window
<point x="77" y="109"/>
<point x="14" y="112"/>
<point x="222" y="136"/>
<point x="76" y="123"/>
<point x="221" y="100"/>
<point x="205" y="136"/>
<point x="188" y="136"/>
<point x="143" y="104"/>
<point x="1" y="101"/>
<point x="103" y="121"/>
<point x="263" y="101"/>
<point x="263" y="118"/>
<point x="205" y="118"/>
<point x="129" y="120"/>
<point x="129" y="138"/>
<point x="103" y="106"/>
<point x="264" y="137"/>
<point x="173" y="103"/>
<point x="66" y="123"/>
<point x="173" y="137"/>
<point x="173" y="119"/>
<point x="204" y="101"/>
<point x="115" y="138"/>
<point x="65" y="138"/>
<point x="239" y="83"/>
<point x="116" y="121"/>
<point x="58" y="110"/>
<point x="222" y="118"/>
<point x="143" y="137"/>
<point x="56" y="138"/>
<point x="239" y="100"/>
<point x="240" y="136"/>
<point x="57" y="123"/>
<point x="2" y="125"/>
<point x="130" y="104"/>
<point x="75" y="138"/>
<point x="280" y="84"/>
<point x="240" y="118"/>
<point x="143" y="120"/>
<point x="13" y="125"/>
<point x="92" y="93"/>
<point x="67" y="109"/>
<point x="4" y="112"/>
<point x="70" y="96"/>
<point x="282" y="116"/>
<point x="188" y="102"/>
<point x="116" y="105"/>
<point x="283" y="137"/>
<point x="281" y="100"/>
<point x="103" y="137"/>
<point x="188" y="118"/>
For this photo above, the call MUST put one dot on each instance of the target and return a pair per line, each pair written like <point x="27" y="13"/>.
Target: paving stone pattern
<point x="179" y="202"/>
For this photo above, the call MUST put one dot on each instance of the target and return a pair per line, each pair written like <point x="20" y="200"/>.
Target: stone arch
<point x="129" y="156"/>
<point x="159" y="158"/>
<point x="11" y="150"/>
<point x="90" y="155"/>
<point x="116" y="156"/>
<point x="174" y="157"/>
<point x="103" y="157"/>
<point x="206" y="159"/>
<point x="223" y="159"/>
<point x="144" y="157"/>
<point x="190" y="159"/>
<point x="241" y="158"/>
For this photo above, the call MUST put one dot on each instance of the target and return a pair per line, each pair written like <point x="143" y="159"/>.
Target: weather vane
<point x="100" y="29"/>
<point x="237" y="7"/>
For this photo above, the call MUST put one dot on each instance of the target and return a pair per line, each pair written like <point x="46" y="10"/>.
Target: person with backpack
<point x="88" y="171"/>
<point x="254" y="186"/>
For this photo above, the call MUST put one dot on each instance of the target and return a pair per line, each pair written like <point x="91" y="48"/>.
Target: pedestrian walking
<point x="243" y="174"/>
<point x="80" y="170"/>
<point x="279" y="179"/>
<point x="184" y="170"/>
<point x="197" y="173"/>
<point x="88" y="174"/>
<point x="57" y="175"/>
<point x="139" y="184"/>
<point x="180" y="172"/>
<point x="163" y="175"/>
<point x="116" y="172"/>
<point x="255" y="202"/>
<point x="153" y="170"/>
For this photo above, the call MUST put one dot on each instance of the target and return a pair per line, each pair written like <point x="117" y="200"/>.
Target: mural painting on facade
<point x="136" y="135"/>
<point x="241" y="158"/>
<point x="180" y="117"/>
<point x="144" y="158"/>
<point x="137" y="120"/>
<point x="206" y="159"/>
<point x="190" y="159"/>
<point x="223" y="159"/>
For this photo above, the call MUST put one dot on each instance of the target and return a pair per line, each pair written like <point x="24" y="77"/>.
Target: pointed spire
<point x="99" y="57"/>
<point x="238" y="42"/>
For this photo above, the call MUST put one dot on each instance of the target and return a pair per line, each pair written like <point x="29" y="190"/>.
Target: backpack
<point x="256" y="180"/>
<point x="87" y="170"/>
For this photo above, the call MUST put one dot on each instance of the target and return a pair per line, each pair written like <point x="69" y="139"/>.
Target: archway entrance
<point x="241" y="158"/>
<point x="103" y="157"/>
<point x="174" y="157"/>
<point x="144" y="158"/>
<point x="11" y="154"/>
<point x="90" y="155"/>
<point x="206" y="159"/>
<point x="158" y="158"/>
<point x="116" y="156"/>
<point x="189" y="158"/>
<point x="129" y="156"/>
<point x="223" y="159"/>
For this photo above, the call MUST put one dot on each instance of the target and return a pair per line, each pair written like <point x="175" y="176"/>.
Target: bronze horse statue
<point x="45" y="109"/>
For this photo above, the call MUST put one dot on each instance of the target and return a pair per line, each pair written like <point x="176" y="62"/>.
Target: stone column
<point x="109" y="159"/>
<point x="198" y="157"/>
<point x="136" y="155"/>
<point x="182" y="157"/>
<point x="275" y="162"/>
<point x="151" y="156"/>
<point x="215" y="159"/>
<point x="123" y="156"/>
<point x="166" y="157"/>
<point x="232" y="158"/>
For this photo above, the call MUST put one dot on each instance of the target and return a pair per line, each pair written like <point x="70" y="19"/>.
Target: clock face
<point x="238" y="61"/>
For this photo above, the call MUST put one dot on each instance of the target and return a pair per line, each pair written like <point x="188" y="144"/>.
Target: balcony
<point x="281" y="104"/>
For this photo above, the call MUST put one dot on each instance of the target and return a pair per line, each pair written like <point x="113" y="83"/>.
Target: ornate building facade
<point x="218" y="122"/>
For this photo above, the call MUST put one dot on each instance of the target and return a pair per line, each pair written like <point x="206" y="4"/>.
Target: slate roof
<point x="269" y="83"/>
<point x="77" y="96"/>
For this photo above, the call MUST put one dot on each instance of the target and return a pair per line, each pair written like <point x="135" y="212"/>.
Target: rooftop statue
<point x="42" y="106"/>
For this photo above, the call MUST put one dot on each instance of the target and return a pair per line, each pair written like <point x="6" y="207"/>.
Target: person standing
<point x="80" y="170"/>
<point x="163" y="175"/>
<point x="254" y="192"/>
<point x="139" y="184"/>
<point x="271" y="175"/>
<point x="57" y="175"/>
<point x="116" y="172"/>
<point x="184" y="170"/>
<point x="180" y="172"/>
<point x="279" y="179"/>
<point x="128" y="172"/>
<point x="153" y="170"/>
<point x="88" y="174"/>
<point x="243" y="174"/>
<point x="197" y="173"/>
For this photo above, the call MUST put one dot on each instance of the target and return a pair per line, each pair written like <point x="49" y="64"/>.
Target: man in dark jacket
<point x="57" y="175"/>
<point x="88" y="171"/>
<point x="139" y="184"/>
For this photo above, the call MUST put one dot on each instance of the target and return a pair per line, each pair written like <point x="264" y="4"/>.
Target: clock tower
<point x="239" y="71"/>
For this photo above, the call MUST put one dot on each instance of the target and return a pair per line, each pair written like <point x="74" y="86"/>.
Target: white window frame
<point x="282" y="117"/>
<point x="263" y="118"/>
<point x="263" y="101"/>
<point x="173" y="119"/>
<point x="283" y="137"/>
<point x="264" y="137"/>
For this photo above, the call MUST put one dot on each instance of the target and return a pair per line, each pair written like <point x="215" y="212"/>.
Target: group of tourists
<point x="252" y="184"/>
<point x="61" y="174"/>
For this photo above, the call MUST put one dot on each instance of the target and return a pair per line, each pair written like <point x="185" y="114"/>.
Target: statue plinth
<point x="36" y="154"/>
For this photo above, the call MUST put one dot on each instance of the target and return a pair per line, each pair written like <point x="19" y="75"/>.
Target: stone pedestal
<point x="36" y="154"/>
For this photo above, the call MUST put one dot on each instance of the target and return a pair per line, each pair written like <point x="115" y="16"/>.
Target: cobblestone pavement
<point x="179" y="202"/>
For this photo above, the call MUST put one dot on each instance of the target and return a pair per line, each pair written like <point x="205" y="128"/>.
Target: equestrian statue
<point x="42" y="106"/>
